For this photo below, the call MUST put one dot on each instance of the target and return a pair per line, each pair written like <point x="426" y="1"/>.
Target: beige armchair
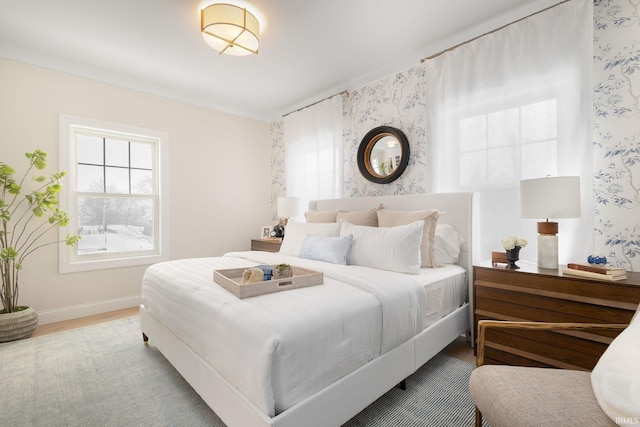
<point x="510" y="396"/>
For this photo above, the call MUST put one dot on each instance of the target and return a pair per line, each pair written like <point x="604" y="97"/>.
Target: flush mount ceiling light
<point x="230" y="29"/>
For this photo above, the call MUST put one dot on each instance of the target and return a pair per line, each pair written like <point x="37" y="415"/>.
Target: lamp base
<point x="548" y="251"/>
<point x="548" y="227"/>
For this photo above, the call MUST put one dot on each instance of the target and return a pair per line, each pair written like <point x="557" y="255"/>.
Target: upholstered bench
<point x="509" y="396"/>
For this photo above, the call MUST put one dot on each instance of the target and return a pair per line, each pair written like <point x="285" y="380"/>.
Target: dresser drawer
<point x="532" y="294"/>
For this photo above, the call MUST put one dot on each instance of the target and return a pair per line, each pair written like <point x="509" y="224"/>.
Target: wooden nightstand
<point x="532" y="294"/>
<point x="266" y="245"/>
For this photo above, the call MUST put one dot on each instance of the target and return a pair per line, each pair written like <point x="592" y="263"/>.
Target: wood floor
<point x="462" y="350"/>
<point x="459" y="348"/>
<point x="53" y="328"/>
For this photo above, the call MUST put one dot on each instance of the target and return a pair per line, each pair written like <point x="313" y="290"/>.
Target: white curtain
<point x="313" y="151"/>
<point x="513" y="105"/>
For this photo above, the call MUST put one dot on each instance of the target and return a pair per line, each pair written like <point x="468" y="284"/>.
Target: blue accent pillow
<point x="329" y="249"/>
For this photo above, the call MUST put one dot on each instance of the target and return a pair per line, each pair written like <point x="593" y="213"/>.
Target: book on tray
<point x="601" y="272"/>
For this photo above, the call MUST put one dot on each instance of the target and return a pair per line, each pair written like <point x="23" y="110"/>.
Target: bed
<point x="317" y="355"/>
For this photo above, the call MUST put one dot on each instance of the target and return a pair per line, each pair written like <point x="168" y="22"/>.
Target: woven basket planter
<point x="18" y="325"/>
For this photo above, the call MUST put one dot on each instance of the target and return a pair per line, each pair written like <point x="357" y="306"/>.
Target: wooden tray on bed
<point x="231" y="280"/>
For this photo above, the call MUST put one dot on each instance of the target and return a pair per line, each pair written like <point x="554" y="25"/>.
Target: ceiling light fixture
<point x="230" y="29"/>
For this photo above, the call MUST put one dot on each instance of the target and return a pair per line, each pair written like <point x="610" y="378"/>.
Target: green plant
<point x="24" y="221"/>
<point x="383" y="168"/>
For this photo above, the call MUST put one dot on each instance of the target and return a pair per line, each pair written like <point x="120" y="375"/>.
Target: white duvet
<point x="280" y="348"/>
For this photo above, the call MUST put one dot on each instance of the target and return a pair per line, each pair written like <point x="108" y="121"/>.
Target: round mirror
<point x="383" y="154"/>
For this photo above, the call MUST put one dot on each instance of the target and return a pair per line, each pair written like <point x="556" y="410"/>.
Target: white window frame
<point x="68" y="259"/>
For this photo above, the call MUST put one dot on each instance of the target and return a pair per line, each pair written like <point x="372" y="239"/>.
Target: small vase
<point x="513" y="255"/>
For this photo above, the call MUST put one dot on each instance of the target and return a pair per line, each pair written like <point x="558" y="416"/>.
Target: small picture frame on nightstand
<point x="498" y="258"/>
<point x="265" y="232"/>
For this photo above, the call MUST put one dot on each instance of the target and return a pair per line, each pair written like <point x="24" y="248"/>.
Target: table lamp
<point x="287" y="207"/>
<point x="550" y="197"/>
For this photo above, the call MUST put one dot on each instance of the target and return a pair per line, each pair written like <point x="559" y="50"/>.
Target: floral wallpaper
<point x="278" y="172"/>
<point x="616" y="131"/>
<point x="399" y="101"/>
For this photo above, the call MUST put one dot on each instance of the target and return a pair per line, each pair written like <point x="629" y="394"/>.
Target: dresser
<point x="270" y="245"/>
<point x="532" y="294"/>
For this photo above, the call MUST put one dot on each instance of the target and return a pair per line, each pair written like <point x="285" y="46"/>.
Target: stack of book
<point x="601" y="272"/>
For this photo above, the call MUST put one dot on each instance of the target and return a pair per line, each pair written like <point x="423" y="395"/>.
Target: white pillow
<point x="616" y="377"/>
<point x="295" y="232"/>
<point x="386" y="248"/>
<point x="429" y="218"/>
<point x="447" y="244"/>
<point x="328" y="249"/>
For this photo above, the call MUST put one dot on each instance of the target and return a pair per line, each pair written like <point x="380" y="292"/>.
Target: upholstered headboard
<point x="457" y="211"/>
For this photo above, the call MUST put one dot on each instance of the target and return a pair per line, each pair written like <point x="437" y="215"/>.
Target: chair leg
<point x="478" y="417"/>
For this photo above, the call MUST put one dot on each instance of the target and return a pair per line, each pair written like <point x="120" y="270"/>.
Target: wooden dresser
<point x="533" y="294"/>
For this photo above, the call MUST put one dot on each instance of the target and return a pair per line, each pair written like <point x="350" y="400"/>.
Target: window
<point x="114" y="194"/>
<point x="512" y="105"/>
<point x="500" y="148"/>
<point x="313" y="151"/>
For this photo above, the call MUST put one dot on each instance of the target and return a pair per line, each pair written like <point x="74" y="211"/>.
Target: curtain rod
<point x="344" y="92"/>
<point x="442" y="52"/>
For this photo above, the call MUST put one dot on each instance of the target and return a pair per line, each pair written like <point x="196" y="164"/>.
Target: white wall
<point x="219" y="178"/>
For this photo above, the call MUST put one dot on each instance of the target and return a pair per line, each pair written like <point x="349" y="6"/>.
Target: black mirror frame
<point x="364" y="154"/>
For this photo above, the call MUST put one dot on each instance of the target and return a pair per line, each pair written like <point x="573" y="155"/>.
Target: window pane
<point x="141" y="182"/>
<point x="141" y="155"/>
<point x="117" y="152"/>
<point x="521" y="143"/>
<point x="90" y="179"/>
<point x="539" y="159"/>
<point x="110" y="225"/>
<point x="504" y="128"/>
<point x="89" y="149"/>
<point x="539" y="121"/>
<point x="473" y="168"/>
<point x="504" y="166"/>
<point x="117" y="180"/>
<point x="473" y="133"/>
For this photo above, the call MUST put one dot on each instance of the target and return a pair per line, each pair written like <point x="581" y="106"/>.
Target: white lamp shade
<point x="551" y="197"/>
<point x="230" y="29"/>
<point x="289" y="207"/>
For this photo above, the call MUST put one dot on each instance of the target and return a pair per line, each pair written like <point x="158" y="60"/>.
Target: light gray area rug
<point x="103" y="375"/>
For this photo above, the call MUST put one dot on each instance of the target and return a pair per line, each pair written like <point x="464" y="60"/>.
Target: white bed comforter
<point x="280" y="348"/>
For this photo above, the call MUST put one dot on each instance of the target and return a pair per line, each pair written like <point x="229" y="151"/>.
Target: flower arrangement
<point x="512" y="242"/>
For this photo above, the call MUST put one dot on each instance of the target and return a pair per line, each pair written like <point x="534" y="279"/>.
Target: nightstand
<point x="271" y="245"/>
<point x="532" y="294"/>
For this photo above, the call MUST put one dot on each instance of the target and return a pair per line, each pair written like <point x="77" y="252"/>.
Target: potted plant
<point x="26" y="217"/>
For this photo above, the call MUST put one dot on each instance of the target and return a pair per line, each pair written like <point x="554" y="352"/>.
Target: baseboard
<point x="83" y="310"/>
